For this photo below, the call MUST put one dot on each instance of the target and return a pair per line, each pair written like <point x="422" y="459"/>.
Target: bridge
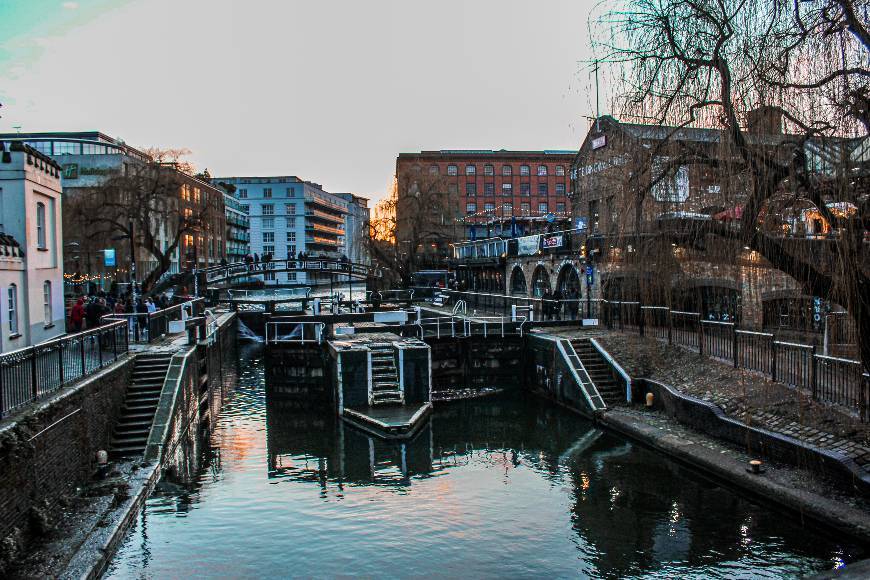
<point x="332" y="267"/>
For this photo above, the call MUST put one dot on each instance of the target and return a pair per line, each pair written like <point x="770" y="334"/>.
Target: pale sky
<point x="330" y="91"/>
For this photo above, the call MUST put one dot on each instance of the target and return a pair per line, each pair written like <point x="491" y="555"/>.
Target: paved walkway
<point x="744" y="395"/>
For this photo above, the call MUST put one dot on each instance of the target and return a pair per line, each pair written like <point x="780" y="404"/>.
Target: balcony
<point x="312" y="200"/>
<point x="322" y="228"/>
<point x="318" y="214"/>
<point x="319" y="240"/>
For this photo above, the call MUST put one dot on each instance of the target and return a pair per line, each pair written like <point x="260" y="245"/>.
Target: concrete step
<point x="123" y="431"/>
<point x="139" y="407"/>
<point x="130" y="441"/>
<point x="138" y="416"/>
<point x="126" y="451"/>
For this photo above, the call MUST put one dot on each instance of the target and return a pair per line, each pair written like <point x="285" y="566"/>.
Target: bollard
<point x="649" y="400"/>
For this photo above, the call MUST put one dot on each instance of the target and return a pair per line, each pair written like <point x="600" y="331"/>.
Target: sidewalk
<point x="744" y="395"/>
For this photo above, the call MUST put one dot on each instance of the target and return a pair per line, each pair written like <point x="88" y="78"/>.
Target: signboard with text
<point x="109" y="258"/>
<point x="528" y="245"/>
<point x="551" y="242"/>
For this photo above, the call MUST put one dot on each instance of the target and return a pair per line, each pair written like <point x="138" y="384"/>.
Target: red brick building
<point x="451" y="195"/>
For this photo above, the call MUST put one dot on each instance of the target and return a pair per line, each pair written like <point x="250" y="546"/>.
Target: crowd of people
<point x="553" y="304"/>
<point x="88" y="311"/>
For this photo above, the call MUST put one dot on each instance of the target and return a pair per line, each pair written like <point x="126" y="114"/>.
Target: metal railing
<point x="331" y="265"/>
<point x="29" y="373"/>
<point x="146" y="327"/>
<point x="291" y="332"/>
<point x="461" y="326"/>
<point x="828" y="379"/>
<point x="539" y="308"/>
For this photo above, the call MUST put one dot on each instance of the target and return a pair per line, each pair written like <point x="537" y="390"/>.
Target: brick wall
<point x="45" y="453"/>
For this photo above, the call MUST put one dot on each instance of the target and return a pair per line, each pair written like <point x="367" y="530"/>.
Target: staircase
<point x="611" y="390"/>
<point x="385" y="377"/>
<point x="131" y="433"/>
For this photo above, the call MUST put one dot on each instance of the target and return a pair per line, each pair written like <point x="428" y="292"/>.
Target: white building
<point x="31" y="259"/>
<point x="289" y="215"/>
<point x="356" y="228"/>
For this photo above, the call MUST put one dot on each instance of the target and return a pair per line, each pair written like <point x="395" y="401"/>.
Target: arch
<point x="518" y="281"/>
<point x="540" y="281"/>
<point x="568" y="279"/>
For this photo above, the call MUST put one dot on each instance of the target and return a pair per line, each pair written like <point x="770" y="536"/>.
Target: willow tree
<point x="710" y="63"/>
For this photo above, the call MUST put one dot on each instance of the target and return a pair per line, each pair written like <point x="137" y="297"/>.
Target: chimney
<point x="764" y="120"/>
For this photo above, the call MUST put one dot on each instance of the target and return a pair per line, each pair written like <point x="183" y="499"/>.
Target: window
<point x="488" y="207"/>
<point x="13" y="309"/>
<point x="291" y="251"/>
<point x="451" y="170"/>
<point x="524" y="169"/>
<point x="290" y="209"/>
<point x="268" y="238"/>
<point x="433" y="170"/>
<point x="46" y="302"/>
<point x="506" y="170"/>
<point x="269" y="249"/>
<point x="291" y="222"/>
<point x="470" y="208"/>
<point x="268" y="223"/>
<point x="243" y="194"/>
<point x="594" y="215"/>
<point x="542" y="170"/>
<point x="525" y="189"/>
<point x="560" y="207"/>
<point x="488" y="169"/>
<point x="560" y="189"/>
<point x="268" y="209"/>
<point x="470" y="189"/>
<point x="489" y="188"/>
<point x="507" y="209"/>
<point x="40" y="226"/>
<point x="268" y="275"/>
<point x="452" y="188"/>
<point x="246" y="208"/>
<point x="289" y="192"/>
<point x="543" y="189"/>
<point x="291" y="276"/>
<point x="525" y="208"/>
<point x="267" y="192"/>
<point x="507" y="189"/>
<point x="470" y="170"/>
<point x="560" y="170"/>
<point x="542" y="207"/>
<point x="291" y="237"/>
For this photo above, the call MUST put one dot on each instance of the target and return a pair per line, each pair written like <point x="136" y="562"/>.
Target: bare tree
<point x="145" y="202"/>
<point x="804" y="65"/>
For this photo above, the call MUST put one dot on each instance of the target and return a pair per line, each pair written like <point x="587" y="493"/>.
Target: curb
<point x="830" y="513"/>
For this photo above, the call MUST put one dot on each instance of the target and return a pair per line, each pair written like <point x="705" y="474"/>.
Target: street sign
<point x="589" y="269"/>
<point x="551" y="217"/>
<point x="109" y="258"/>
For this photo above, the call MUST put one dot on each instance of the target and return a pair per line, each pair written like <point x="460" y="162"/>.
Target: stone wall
<point x="50" y="449"/>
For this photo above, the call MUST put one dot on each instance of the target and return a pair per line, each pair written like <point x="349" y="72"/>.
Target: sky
<point x="328" y="90"/>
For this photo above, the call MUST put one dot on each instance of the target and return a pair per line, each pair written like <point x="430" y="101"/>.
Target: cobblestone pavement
<point x="744" y="395"/>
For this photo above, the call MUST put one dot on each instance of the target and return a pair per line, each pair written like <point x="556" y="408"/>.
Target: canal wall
<point x="547" y="374"/>
<point x="303" y="372"/>
<point x="477" y="362"/>
<point x="50" y="449"/>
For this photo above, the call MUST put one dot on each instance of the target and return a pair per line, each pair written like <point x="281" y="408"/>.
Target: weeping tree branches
<point x="805" y="66"/>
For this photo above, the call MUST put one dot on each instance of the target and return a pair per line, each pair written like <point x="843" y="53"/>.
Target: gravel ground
<point x="744" y="395"/>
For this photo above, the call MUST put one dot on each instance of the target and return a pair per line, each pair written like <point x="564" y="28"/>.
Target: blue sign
<point x="589" y="269"/>
<point x="109" y="257"/>
<point x="590" y="275"/>
<point x="551" y="217"/>
<point x="580" y="224"/>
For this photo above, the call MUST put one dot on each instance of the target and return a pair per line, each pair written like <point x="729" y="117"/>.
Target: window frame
<point x="46" y="304"/>
<point x="41" y="227"/>
<point x="12" y="310"/>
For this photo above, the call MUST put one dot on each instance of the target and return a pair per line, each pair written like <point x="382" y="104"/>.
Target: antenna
<point x="597" y="108"/>
<point x="17" y="128"/>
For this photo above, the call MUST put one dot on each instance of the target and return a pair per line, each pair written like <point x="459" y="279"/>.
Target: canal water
<point x="511" y="487"/>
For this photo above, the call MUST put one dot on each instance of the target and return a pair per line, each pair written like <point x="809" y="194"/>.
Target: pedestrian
<point x="150" y="306"/>
<point x="77" y="315"/>
<point x="557" y="304"/>
<point x="376" y="300"/>
<point x="256" y="260"/>
<point x="573" y="303"/>
<point x="546" y="305"/>
<point x="92" y="313"/>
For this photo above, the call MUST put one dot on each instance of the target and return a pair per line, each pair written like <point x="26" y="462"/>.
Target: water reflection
<point x="510" y="487"/>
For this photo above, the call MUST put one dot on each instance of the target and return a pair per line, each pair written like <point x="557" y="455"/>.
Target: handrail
<point x="616" y="367"/>
<point x="586" y="385"/>
<point x="302" y="325"/>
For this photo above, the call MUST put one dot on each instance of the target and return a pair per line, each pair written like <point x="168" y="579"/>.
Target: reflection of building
<point x="91" y="160"/>
<point x="288" y="216"/>
<point x="31" y="253"/>
<point x="451" y="195"/>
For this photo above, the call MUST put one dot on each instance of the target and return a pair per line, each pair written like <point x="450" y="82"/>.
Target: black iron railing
<point x="30" y="373"/>
<point x="146" y="327"/>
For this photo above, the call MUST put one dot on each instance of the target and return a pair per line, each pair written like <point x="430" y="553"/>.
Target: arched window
<point x="46" y="302"/>
<point x="40" y="226"/>
<point x="13" y="309"/>
<point x="506" y="170"/>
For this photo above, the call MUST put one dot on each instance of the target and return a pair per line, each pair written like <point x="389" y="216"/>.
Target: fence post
<point x="60" y="361"/>
<point x="700" y="336"/>
<point x="773" y="359"/>
<point x="115" y="342"/>
<point x="33" y="380"/>
<point x="734" y="344"/>
<point x="641" y="323"/>
<point x="670" y="327"/>
<point x="813" y="380"/>
<point x="82" y="342"/>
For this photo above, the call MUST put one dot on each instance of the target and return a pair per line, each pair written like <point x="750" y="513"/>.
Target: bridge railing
<point x="329" y="265"/>
<point x="462" y="326"/>
<point x="293" y="332"/>
<point x="29" y="373"/>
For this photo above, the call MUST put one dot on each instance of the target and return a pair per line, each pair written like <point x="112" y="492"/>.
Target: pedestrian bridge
<point x="333" y="268"/>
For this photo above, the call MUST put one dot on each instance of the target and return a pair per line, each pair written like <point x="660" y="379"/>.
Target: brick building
<point x="451" y="195"/>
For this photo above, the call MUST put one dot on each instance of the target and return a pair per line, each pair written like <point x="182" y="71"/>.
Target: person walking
<point x="77" y="315"/>
<point x="573" y="303"/>
<point x="547" y="305"/>
<point x="557" y="304"/>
